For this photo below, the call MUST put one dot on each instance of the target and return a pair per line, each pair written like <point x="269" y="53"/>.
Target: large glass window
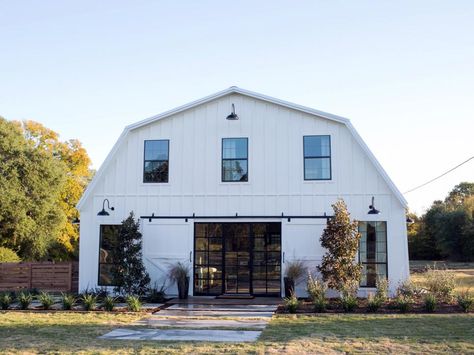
<point x="156" y="164"/>
<point x="317" y="157"/>
<point x="107" y="258"/>
<point x="234" y="159"/>
<point x="373" y="252"/>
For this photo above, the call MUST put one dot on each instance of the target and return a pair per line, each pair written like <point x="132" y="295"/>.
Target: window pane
<point x="107" y="257"/>
<point x="234" y="148"/>
<point x="317" y="146"/>
<point x="106" y="274"/>
<point x="372" y="252"/>
<point x="234" y="170"/>
<point x="156" y="171"/>
<point x="156" y="150"/>
<point x="317" y="168"/>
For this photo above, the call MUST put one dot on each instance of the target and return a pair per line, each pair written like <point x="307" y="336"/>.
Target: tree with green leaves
<point x="31" y="181"/>
<point x="340" y="238"/>
<point x="8" y="256"/>
<point x="129" y="275"/>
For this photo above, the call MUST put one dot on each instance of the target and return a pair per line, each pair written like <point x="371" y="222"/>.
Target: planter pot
<point x="183" y="289"/>
<point x="289" y="286"/>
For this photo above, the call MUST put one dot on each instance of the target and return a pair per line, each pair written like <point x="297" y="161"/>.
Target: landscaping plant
<point x="5" y="300"/>
<point x="156" y="295"/>
<point x="348" y="297"/>
<point x="46" y="300"/>
<point x="291" y="303"/>
<point x="430" y="303"/>
<point x="179" y="273"/>
<point x="89" y="301"/>
<point x="130" y="275"/>
<point x="68" y="300"/>
<point x="24" y="299"/>
<point x="374" y="302"/>
<point x="320" y="304"/>
<point x="465" y="300"/>
<point x="316" y="288"/>
<point x="109" y="303"/>
<point x="409" y="289"/>
<point x="441" y="283"/>
<point x="133" y="304"/>
<point x="382" y="288"/>
<point x="403" y="303"/>
<point x="341" y="240"/>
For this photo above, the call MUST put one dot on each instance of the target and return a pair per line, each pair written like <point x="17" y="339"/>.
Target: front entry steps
<point x="192" y="321"/>
<point x="235" y="296"/>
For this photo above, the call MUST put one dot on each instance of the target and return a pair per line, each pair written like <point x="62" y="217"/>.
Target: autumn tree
<point x="31" y="182"/>
<point x="340" y="238"/>
<point x="75" y="164"/>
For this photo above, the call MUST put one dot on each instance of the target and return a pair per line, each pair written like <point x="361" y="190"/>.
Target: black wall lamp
<point x="104" y="212"/>
<point x="233" y="116"/>
<point x="372" y="209"/>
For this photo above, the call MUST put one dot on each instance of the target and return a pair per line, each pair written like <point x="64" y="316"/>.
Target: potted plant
<point x="293" y="275"/>
<point x="179" y="273"/>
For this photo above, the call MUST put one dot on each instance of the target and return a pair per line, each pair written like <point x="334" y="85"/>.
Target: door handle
<point x="283" y="257"/>
<point x="190" y="256"/>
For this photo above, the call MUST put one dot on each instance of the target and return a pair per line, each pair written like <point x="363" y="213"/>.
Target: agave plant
<point x="133" y="304"/>
<point x="46" y="300"/>
<point x="68" y="300"/>
<point x="25" y="299"/>
<point x="89" y="301"/>
<point x="109" y="303"/>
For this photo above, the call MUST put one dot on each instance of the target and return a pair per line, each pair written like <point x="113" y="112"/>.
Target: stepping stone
<point x="203" y="323"/>
<point x="184" y="335"/>
<point x="232" y="314"/>
<point x="227" y="308"/>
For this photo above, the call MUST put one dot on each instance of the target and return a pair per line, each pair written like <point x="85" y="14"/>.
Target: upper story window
<point x="234" y="159"/>
<point x="156" y="161"/>
<point x="317" y="157"/>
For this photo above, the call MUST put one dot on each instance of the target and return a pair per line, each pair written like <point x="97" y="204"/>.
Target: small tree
<point x="341" y="239"/>
<point x="130" y="275"/>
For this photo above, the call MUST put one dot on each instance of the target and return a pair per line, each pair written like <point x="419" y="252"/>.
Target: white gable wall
<point x="275" y="185"/>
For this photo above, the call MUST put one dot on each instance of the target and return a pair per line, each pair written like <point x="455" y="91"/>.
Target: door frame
<point x="251" y="256"/>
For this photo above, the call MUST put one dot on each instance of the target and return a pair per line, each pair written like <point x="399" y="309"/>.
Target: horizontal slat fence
<point x="44" y="276"/>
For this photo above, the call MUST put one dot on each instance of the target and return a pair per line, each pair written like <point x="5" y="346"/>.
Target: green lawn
<point x="77" y="333"/>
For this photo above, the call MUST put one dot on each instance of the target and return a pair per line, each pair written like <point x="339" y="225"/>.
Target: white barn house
<point x="238" y="196"/>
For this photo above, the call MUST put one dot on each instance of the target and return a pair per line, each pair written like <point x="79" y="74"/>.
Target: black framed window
<point x="234" y="159"/>
<point x="373" y="252"/>
<point x="107" y="259"/>
<point x="156" y="161"/>
<point x="317" y="157"/>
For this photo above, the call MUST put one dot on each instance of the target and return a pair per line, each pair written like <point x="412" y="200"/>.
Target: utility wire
<point x="436" y="178"/>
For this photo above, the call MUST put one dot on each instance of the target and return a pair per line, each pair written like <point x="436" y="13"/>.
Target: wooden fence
<point x="44" y="276"/>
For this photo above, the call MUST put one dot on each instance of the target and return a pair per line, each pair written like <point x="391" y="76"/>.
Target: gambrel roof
<point x="251" y="94"/>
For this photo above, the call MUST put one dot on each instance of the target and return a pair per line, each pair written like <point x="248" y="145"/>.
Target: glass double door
<point x="237" y="258"/>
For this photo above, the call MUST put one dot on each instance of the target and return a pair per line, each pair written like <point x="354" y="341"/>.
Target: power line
<point x="436" y="178"/>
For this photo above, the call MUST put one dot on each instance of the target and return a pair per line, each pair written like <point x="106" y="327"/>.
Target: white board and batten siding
<point x="276" y="184"/>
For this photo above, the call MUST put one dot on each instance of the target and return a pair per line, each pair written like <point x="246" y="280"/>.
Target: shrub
<point x="382" y="289"/>
<point x="295" y="270"/>
<point x="109" y="303"/>
<point x="316" y="288"/>
<point x="466" y="301"/>
<point x="133" y="304"/>
<point x="441" y="283"/>
<point x="408" y="289"/>
<point x="349" y="302"/>
<point x="430" y="303"/>
<point x="403" y="303"/>
<point x="89" y="301"/>
<point x="5" y="300"/>
<point x="320" y="304"/>
<point x="8" y="256"/>
<point x="46" y="300"/>
<point x="67" y="300"/>
<point x="24" y="299"/>
<point x="291" y="303"/>
<point x="374" y="303"/>
<point x="156" y="295"/>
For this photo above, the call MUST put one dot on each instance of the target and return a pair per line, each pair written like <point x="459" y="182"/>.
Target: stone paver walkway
<point x="186" y="322"/>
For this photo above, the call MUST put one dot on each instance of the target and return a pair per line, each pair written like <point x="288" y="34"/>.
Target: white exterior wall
<point x="276" y="184"/>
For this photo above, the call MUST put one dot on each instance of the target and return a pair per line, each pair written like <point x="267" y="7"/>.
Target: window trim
<point x="145" y="161"/>
<point x="386" y="252"/>
<point x="315" y="157"/>
<point x="222" y="160"/>
<point x="98" y="256"/>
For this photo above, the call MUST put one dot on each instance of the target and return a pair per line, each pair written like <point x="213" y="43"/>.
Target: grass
<point x="60" y="332"/>
<point x="463" y="272"/>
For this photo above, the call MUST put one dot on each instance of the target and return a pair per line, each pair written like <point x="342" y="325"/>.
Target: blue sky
<point x="402" y="71"/>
